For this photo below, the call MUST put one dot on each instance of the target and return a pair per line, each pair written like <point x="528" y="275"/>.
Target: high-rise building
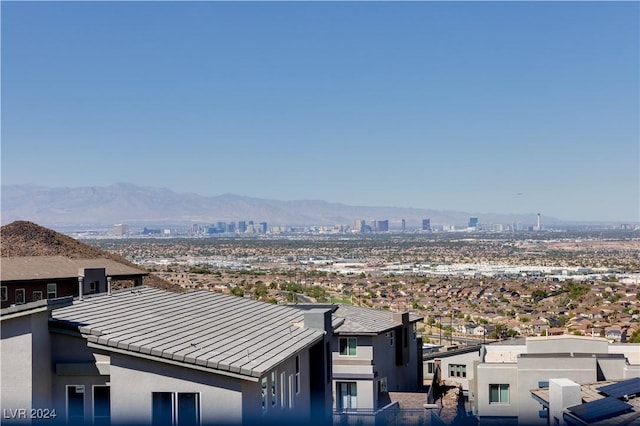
<point x="426" y="224"/>
<point x="242" y="226"/>
<point x="473" y="222"/>
<point x="404" y="225"/>
<point x="263" y="227"/>
<point x="359" y="225"/>
<point x="382" y="225"/>
<point x="121" y="229"/>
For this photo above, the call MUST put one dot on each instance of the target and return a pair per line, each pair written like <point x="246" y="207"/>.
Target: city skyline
<point x="480" y="107"/>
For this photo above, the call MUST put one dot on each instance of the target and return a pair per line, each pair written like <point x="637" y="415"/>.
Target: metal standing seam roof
<point x="56" y="267"/>
<point x="200" y="328"/>
<point x="359" y="320"/>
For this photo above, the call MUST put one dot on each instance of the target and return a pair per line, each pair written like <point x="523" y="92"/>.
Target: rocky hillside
<point x="23" y="238"/>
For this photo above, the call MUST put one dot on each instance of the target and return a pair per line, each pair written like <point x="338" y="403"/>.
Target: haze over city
<point x="504" y="107"/>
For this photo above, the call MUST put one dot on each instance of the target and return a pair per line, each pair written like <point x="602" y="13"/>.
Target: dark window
<point x="188" y="409"/>
<point x="297" y="374"/>
<point x="101" y="405"/>
<point x="327" y="357"/>
<point x="4" y="295"/>
<point x="175" y="409"/>
<point x="162" y="410"/>
<point x="348" y="346"/>
<point x="37" y="295"/>
<point x="75" y="404"/>
<point x="19" y="296"/>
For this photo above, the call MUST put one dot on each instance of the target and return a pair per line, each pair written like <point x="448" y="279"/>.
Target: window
<point x="327" y="362"/>
<point x="263" y="392"/>
<point x="175" y="409"/>
<point x="37" y="295"/>
<point x="101" y="405"/>
<point x="390" y="334"/>
<point x="347" y="396"/>
<point x="19" y="296"/>
<point x="457" y="370"/>
<point x="75" y="404"/>
<point x="290" y="390"/>
<point x="498" y="394"/>
<point x="382" y="385"/>
<point x="93" y="287"/>
<point x="283" y="389"/>
<point x="430" y="367"/>
<point x="274" y="386"/>
<point x="52" y="291"/>
<point x="348" y="346"/>
<point x="4" y="294"/>
<point x="297" y="374"/>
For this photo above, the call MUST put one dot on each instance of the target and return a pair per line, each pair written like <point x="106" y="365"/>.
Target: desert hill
<point x="22" y="238"/>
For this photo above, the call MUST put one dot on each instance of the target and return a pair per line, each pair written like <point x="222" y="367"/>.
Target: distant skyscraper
<point x="473" y="222"/>
<point x="382" y="225"/>
<point x="358" y="225"/>
<point x="426" y="224"/>
<point x="404" y="225"/>
<point x="242" y="226"/>
<point x="121" y="229"/>
<point x="263" y="227"/>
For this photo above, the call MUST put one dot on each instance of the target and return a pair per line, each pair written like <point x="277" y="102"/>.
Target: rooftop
<point x="200" y="329"/>
<point x="56" y="267"/>
<point x="359" y="320"/>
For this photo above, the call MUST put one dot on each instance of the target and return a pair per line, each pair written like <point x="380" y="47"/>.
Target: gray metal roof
<point x="57" y="267"/>
<point x="360" y="320"/>
<point x="201" y="328"/>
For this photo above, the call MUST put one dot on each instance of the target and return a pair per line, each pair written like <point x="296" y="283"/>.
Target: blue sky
<point x="511" y="107"/>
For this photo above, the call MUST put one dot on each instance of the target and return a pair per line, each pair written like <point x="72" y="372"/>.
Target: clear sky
<point x="510" y="107"/>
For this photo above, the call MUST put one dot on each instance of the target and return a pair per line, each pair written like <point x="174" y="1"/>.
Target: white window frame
<point x="352" y="399"/>
<point x="55" y="290"/>
<point x="291" y="392"/>
<point x="283" y="389"/>
<point x="458" y="371"/>
<point x="348" y="339"/>
<point x="500" y="387"/>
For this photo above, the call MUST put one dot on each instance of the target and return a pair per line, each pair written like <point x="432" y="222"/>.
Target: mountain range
<point x="132" y="204"/>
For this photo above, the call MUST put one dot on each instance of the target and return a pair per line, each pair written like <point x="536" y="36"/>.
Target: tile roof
<point x="210" y="330"/>
<point x="51" y="267"/>
<point x="359" y="320"/>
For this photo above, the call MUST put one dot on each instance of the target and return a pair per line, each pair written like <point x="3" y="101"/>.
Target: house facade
<point x="32" y="278"/>
<point x="374" y="353"/>
<point x="149" y="356"/>
<point x="506" y="374"/>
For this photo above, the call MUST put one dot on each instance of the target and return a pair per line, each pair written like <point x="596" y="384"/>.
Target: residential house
<point x="147" y="356"/>
<point x="506" y="374"/>
<point x="374" y="352"/>
<point x="33" y="278"/>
